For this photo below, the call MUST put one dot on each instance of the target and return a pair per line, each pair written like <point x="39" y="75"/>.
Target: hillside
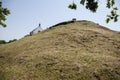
<point x="73" y="50"/>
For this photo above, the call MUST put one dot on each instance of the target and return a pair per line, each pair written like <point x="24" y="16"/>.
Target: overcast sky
<point x="27" y="14"/>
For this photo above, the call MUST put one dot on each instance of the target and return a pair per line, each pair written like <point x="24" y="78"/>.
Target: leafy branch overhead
<point x="3" y="13"/>
<point x="72" y="6"/>
<point x="113" y="14"/>
<point x="92" y="5"/>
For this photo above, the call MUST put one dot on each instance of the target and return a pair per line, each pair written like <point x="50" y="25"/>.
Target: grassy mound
<point x="79" y="50"/>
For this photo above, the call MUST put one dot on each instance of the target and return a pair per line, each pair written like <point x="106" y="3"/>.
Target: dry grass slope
<point x="80" y="50"/>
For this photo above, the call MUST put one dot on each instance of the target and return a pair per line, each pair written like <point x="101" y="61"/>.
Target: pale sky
<point x="27" y="14"/>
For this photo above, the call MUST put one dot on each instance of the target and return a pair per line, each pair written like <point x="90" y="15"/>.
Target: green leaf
<point x="107" y="20"/>
<point x="108" y="0"/>
<point x="2" y="17"/>
<point x="73" y="6"/>
<point x="115" y="8"/>
<point x="6" y="11"/>
<point x="108" y="4"/>
<point x="70" y="6"/>
<point x="113" y="13"/>
<point x="109" y="16"/>
<point x="82" y="2"/>
<point x="116" y="18"/>
<point x="0" y="4"/>
<point x="112" y="2"/>
<point x="1" y="9"/>
<point x="1" y="23"/>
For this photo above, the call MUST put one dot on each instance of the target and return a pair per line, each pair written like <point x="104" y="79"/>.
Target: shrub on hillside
<point x="2" y="41"/>
<point x="12" y="40"/>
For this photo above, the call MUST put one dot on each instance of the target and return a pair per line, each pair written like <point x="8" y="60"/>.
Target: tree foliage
<point x="92" y="5"/>
<point x="113" y="14"/>
<point x="72" y="6"/>
<point x="2" y="41"/>
<point x="3" y="13"/>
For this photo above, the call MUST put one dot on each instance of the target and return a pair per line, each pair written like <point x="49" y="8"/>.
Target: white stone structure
<point x="36" y="30"/>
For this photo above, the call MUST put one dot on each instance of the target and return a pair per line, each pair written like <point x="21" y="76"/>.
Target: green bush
<point x="12" y="40"/>
<point x="2" y="41"/>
